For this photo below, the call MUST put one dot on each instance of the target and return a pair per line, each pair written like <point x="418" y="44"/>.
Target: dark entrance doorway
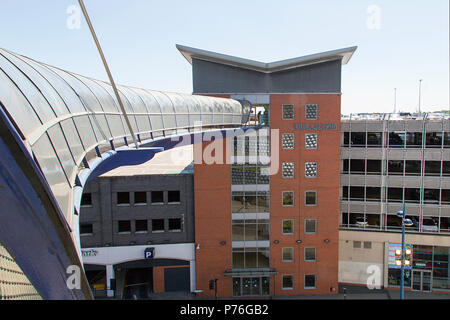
<point x="138" y="283"/>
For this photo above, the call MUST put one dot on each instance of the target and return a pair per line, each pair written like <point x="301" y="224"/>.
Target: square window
<point x="157" y="196"/>
<point x="287" y="170"/>
<point x="288" y="282"/>
<point x="311" y="141"/>
<point x="141" y="225"/>
<point x="288" y="254"/>
<point x="86" y="199"/>
<point x="311" y="111"/>
<point x="288" y="111"/>
<point x="356" y="244"/>
<point x="124" y="226"/>
<point x="310" y="254"/>
<point x="158" y="225"/>
<point x="173" y="197"/>
<point x="288" y="226"/>
<point x="123" y="198"/>
<point x="310" y="225"/>
<point x="288" y="198"/>
<point x="287" y="141"/>
<point x="367" y="245"/>
<point x="174" y="224"/>
<point x="311" y="198"/>
<point x="310" y="169"/>
<point x="86" y="228"/>
<point x="140" y="197"/>
<point x="310" y="281"/>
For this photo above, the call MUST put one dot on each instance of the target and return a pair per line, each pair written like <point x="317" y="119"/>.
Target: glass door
<point x="421" y="280"/>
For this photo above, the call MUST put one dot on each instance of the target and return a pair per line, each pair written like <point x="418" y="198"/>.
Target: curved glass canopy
<point x="66" y="119"/>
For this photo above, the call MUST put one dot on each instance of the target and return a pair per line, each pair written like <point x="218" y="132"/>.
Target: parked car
<point x="429" y="225"/>
<point x="361" y="222"/>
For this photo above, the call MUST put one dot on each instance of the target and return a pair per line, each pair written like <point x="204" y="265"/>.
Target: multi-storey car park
<point x="388" y="160"/>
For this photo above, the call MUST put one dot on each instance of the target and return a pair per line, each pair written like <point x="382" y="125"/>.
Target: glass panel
<point x="358" y="139"/>
<point x="395" y="166"/>
<point x="17" y="106"/>
<point x="441" y="268"/>
<point x="263" y="231"/>
<point x="263" y="258"/>
<point x="237" y="202"/>
<point x="246" y="286"/>
<point x="433" y="139"/>
<point x="238" y="258"/>
<point x="250" y="231"/>
<point x="426" y="281"/>
<point x="236" y="286"/>
<point x="265" y="286"/>
<point x="237" y="231"/>
<point x="256" y="286"/>
<point x="250" y="258"/>
<point x="374" y="139"/>
<point x="416" y="280"/>
<point x="396" y="139"/>
<point x="413" y="139"/>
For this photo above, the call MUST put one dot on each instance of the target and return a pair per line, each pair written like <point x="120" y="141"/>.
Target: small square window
<point x="367" y="245"/>
<point x="287" y="170"/>
<point x="310" y="169"/>
<point x="158" y="225"/>
<point x="310" y="226"/>
<point x="288" y="111"/>
<point x="141" y="225"/>
<point x="310" y="254"/>
<point x="310" y="198"/>
<point x="287" y="141"/>
<point x="157" y="196"/>
<point x="310" y="281"/>
<point x="311" y="141"/>
<point x="288" y="226"/>
<point x="140" y="197"/>
<point x="86" y="199"/>
<point x="288" y="282"/>
<point x="123" y="198"/>
<point x="288" y="198"/>
<point x="288" y="254"/>
<point x="356" y="244"/>
<point x="311" y="111"/>
<point x="174" y="224"/>
<point x="86" y="229"/>
<point x="173" y="197"/>
<point x="124" y="226"/>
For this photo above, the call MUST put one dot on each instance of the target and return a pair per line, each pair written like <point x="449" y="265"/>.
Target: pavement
<point x="351" y="293"/>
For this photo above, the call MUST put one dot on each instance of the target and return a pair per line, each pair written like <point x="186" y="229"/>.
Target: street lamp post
<point x="405" y="222"/>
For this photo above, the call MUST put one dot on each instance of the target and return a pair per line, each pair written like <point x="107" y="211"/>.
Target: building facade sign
<point x="89" y="253"/>
<point x="315" y="126"/>
<point x="149" y="253"/>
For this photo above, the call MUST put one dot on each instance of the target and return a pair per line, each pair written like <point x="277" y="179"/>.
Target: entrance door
<point x="421" y="280"/>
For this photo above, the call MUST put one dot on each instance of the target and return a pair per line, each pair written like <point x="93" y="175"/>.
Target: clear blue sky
<point x="139" y="37"/>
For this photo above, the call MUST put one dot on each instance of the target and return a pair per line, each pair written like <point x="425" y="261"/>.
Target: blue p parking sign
<point x="149" y="253"/>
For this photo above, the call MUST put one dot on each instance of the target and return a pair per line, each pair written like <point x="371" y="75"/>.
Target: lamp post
<point x="405" y="223"/>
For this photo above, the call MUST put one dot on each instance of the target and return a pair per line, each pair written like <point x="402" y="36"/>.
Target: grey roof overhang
<point x="343" y="54"/>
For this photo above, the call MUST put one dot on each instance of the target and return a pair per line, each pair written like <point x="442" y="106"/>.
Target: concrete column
<point x="109" y="276"/>
<point x="192" y="275"/>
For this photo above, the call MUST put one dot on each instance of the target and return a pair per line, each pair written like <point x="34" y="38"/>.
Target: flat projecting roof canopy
<point x="189" y="53"/>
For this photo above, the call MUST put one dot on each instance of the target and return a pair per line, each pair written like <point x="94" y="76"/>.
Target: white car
<point x="429" y="225"/>
<point x="361" y="222"/>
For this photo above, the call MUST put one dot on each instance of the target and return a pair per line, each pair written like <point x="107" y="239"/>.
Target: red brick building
<point x="259" y="234"/>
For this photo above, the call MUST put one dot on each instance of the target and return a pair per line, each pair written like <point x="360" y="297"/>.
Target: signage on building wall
<point x="315" y="126"/>
<point x="89" y="253"/>
<point x="392" y="257"/>
<point x="149" y="253"/>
